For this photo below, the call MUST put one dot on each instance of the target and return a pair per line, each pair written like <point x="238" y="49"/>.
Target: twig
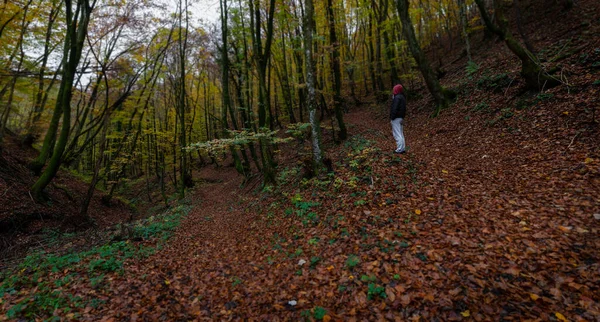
<point x="5" y="191"/>
<point x="511" y="81"/>
<point x="29" y="192"/>
<point x="573" y="139"/>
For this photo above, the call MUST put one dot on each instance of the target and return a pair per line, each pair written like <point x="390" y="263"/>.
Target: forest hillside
<point x="157" y="167"/>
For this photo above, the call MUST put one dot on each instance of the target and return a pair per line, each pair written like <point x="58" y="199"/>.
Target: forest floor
<point x="460" y="227"/>
<point x="493" y="214"/>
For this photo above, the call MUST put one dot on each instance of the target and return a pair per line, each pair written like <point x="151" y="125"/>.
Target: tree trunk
<point x="310" y="85"/>
<point x="41" y="95"/>
<point x="74" y="39"/>
<point x="337" y="73"/>
<point x="439" y="94"/>
<point x="462" y="8"/>
<point x="185" y="178"/>
<point x="535" y="77"/>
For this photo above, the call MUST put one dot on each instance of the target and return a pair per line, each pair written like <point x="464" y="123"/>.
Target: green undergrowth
<point x="43" y="284"/>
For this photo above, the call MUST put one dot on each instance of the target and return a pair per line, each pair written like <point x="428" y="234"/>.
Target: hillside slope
<point x="492" y="215"/>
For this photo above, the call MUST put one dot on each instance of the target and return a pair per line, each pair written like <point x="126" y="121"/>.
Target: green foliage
<point x="288" y="174"/>
<point x="367" y="278"/>
<point x="374" y="290"/>
<point x="471" y="68"/>
<point x="525" y="102"/>
<point x="360" y="202"/>
<point x="35" y="270"/>
<point x="303" y="211"/>
<point x="352" y="261"/>
<point x="482" y="107"/>
<point x="506" y="113"/>
<point x="319" y="313"/>
<point x="314" y="261"/>
<point x="236" y="281"/>
<point x="494" y="83"/>
<point x="237" y="139"/>
<point x="299" y="131"/>
<point x="357" y="143"/>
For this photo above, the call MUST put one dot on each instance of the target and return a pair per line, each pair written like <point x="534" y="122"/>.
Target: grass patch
<point x="39" y="271"/>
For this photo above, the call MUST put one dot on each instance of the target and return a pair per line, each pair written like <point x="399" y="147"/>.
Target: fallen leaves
<point x="560" y="317"/>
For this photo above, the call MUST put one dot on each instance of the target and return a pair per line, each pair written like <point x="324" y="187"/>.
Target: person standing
<point x="397" y="114"/>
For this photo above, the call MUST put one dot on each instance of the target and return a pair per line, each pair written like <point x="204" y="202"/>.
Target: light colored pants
<point x="398" y="131"/>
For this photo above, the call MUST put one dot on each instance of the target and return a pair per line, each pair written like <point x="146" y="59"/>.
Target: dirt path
<point x="191" y="272"/>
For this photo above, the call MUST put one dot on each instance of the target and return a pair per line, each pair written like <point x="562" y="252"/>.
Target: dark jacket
<point x="398" y="107"/>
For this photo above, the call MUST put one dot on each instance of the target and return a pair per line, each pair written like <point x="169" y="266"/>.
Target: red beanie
<point x="398" y="89"/>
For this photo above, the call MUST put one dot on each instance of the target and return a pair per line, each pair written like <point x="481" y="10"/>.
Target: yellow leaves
<point x="330" y="268"/>
<point x="588" y="160"/>
<point x="466" y="313"/>
<point x="534" y="297"/>
<point x="326" y="318"/>
<point x="560" y="317"/>
<point x="167" y="282"/>
<point x="445" y="171"/>
<point x="565" y="113"/>
<point x="418" y="211"/>
<point x="524" y="224"/>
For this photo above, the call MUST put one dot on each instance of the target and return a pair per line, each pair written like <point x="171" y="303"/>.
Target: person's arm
<point x="394" y="109"/>
<point x="401" y="107"/>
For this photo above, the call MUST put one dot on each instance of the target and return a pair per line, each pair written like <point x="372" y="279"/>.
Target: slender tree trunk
<point x="463" y="27"/>
<point x="310" y="85"/>
<point x="336" y="70"/>
<point x="262" y="56"/>
<point x="226" y="97"/>
<point x="41" y="95"/>
<point x="439" y="94"/>
<point x="185" y="179"/>
<point x="287" y="92"/>
<point x="95" y="177"/>
<point x="13" y="83"/>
